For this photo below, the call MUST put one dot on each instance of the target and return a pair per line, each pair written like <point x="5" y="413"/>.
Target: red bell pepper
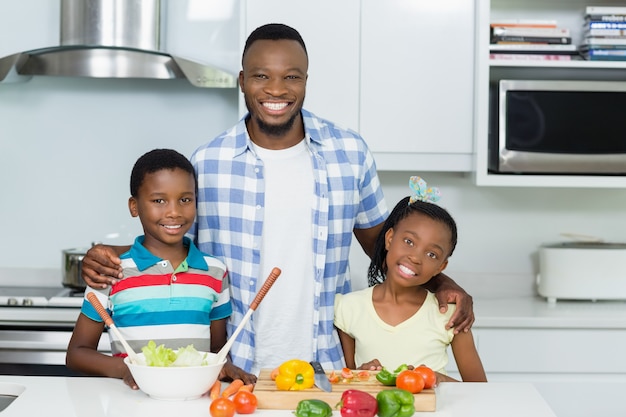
<point x="355" y="403"/>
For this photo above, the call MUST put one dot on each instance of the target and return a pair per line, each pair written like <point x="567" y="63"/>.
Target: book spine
<point x="564" y="40"/>
<point x="500" y="31"/>
<point x="606" y="58"/>
<point x="529" y="57"/>
<point x="524" y="23"/>
<point x="605" y="41"/>
<point x="607" y="48"/>
<point x="606" y="17"/>
<point x="606" y="10"/>
<point x="605" y="32"/>
<point x="532" y="47"/>
<point x="595" y="24"/>
<point x="607" y="52"/>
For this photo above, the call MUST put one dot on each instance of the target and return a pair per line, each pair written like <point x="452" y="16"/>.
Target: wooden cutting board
<point x="271" y="398"/>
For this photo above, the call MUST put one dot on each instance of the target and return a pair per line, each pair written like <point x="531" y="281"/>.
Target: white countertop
<point x="536" y="312"/>
<point x="108" y="397"/>
<point x="490" y="312"/>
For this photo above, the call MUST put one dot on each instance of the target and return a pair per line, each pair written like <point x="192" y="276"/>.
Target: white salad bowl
<point x="175" y="383"/>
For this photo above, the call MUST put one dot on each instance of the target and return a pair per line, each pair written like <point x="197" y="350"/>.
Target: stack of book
<point x="605" y="34"/>
<point x="530" y="39"/>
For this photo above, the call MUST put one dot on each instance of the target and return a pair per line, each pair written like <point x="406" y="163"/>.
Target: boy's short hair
<point x="273" y="32"/>
<point x="156" y="160"/>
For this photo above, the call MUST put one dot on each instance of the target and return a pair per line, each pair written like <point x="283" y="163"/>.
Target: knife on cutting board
<point x="321" y="380"/>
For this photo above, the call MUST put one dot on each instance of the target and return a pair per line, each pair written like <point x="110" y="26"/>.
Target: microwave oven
<point x="557" y="127"/>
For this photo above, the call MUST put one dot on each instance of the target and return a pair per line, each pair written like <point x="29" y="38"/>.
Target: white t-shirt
<point x="285" y="316"/>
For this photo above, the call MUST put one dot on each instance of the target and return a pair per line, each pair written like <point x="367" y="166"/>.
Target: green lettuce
<point x="162" y="356"/>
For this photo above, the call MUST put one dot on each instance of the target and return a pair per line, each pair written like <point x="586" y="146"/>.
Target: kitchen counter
<point x="107" y="397"/>
<point x="529" y="312"/>
<point x="537" y="312"/>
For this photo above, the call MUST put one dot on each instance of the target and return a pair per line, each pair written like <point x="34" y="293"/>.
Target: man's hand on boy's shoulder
<point x="101" y="265"/>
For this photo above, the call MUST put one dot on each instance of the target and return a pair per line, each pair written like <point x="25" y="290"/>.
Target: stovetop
<point x="40" y="297"/>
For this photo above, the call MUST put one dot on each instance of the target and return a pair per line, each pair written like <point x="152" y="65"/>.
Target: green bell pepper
<point x="386" y="377"/>
<point x="395" y="403"/>
<point x="313" y="408"/>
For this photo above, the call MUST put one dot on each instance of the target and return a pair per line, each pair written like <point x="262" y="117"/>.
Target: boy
<point x="171" y="292"/>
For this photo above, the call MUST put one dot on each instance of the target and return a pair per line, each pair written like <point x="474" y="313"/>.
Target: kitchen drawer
<point x="512" y="350"/>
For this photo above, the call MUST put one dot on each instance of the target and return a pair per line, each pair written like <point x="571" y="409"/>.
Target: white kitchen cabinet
<point x="571" y="351"/>
<point x="330" y="30"/>
<point x="579" y="371"/>
<point x="417" y="83"/>
<point x="568" y="14"/>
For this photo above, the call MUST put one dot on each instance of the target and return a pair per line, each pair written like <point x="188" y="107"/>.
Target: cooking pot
<point x="72" y="263"/>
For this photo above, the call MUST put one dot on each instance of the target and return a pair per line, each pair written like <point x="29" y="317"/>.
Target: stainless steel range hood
<point x="111" y="39"/>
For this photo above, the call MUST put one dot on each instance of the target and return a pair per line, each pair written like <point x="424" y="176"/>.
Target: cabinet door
<point x="553" y="351"/>
<point x="579" y="372"/>
<point x="330" y="30"/>
<point x="417" y="74"/>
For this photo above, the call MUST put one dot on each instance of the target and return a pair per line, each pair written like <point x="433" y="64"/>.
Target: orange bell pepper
<point x="295" y="375"/>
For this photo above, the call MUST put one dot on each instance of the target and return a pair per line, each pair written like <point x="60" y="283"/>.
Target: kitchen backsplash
<point x="68" y="146"/>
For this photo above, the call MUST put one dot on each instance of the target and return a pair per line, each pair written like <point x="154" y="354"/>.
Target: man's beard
<point x="272" y="130"/>
<point x="276" y="130"/>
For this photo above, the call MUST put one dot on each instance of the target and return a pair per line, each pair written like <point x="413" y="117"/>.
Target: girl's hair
<point x="378" y="267"/>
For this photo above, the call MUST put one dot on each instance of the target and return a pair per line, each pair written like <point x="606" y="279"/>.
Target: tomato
<point x="222" y="407"/>
<point x="363" y="375"/>
<point x="333" y="377"/>
<point x="410" y="380"/>
<point x="430" y="378"/>
<point x="245" y="402"/>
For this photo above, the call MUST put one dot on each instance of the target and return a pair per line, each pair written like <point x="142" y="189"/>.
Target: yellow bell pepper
<point x="295" y="375"/>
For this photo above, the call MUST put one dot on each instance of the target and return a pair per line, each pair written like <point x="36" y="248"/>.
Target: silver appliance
<point x="36" y="325"/>
<point x="111" y="39"/>
<point x="557" y="127"/>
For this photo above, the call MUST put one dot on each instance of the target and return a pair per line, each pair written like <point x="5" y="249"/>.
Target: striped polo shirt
<point x="155" y="302"/>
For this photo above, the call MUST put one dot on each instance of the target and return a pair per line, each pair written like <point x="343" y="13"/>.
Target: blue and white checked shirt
<point x="230" y="215"/>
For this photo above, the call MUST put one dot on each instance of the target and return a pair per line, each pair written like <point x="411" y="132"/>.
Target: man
<point x="285" y="188"/>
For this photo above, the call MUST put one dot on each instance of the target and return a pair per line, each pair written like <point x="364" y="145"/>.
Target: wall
<point x="68" y="145"/>
<point x="500" y="229"/>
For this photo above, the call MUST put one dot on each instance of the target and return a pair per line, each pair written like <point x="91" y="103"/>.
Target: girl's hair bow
<point x="423" y="192"/>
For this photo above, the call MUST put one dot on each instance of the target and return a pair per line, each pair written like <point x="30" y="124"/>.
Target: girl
<point x="396" y="320"/>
